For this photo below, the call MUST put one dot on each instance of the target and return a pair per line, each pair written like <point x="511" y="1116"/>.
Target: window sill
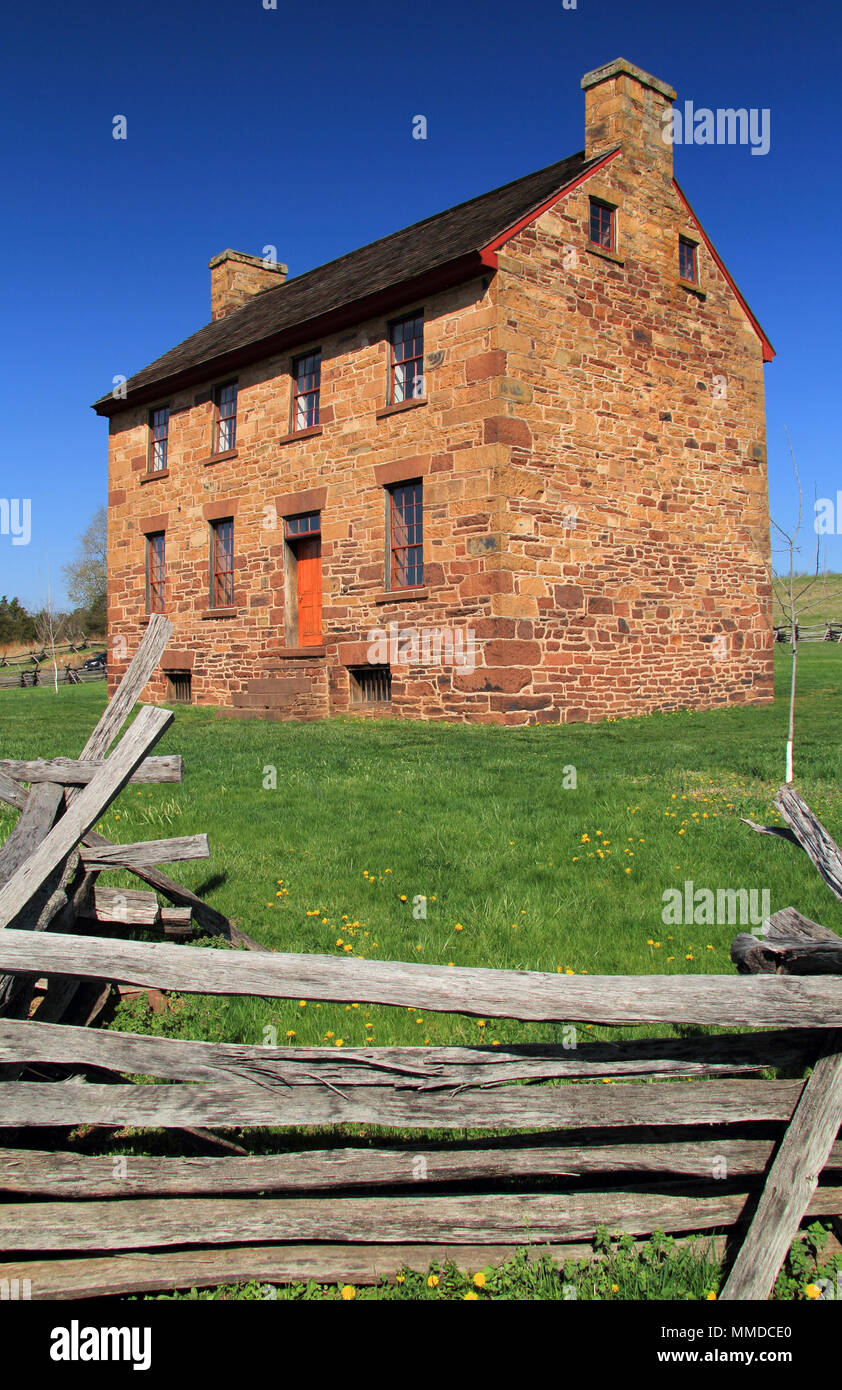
<point x="219" y="458"/>
<point x="298" y="653"/>
<point x="400" y="406"/>
<point x="219" y="613"/>
<point x="605" y="255"/>
<point x="312" y="433"/>
<point x="153" y="477"/>
<point x="144" y="621"/>
<point x="402" y="595"/>
<point x="692" y="287"/>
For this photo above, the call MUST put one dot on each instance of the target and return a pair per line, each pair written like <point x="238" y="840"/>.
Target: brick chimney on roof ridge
<point x="624" y="106"/>
<point x="235" y="277"/>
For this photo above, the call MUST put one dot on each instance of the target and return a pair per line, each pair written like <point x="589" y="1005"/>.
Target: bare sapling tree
<point x="798" y="594"/>
<point x="48" y="628"/>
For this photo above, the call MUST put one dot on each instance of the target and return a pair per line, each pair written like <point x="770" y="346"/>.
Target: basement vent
<point x="371" y="685"/>
<point x="179" y="687"/>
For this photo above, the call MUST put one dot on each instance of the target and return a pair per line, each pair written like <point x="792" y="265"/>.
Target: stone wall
<point x="592" y="450"/>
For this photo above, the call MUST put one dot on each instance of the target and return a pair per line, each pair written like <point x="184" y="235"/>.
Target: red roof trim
<point x="768" y="350"/>
<point x="488" y="251"/>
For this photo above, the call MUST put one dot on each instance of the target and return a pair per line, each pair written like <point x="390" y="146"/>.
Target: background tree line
<point x="86" y="582"/>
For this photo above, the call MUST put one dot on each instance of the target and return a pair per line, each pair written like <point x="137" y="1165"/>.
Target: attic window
<point x="306" y="390"/>
<point x="601" y="228"/>
<point x="225" y="410"/>
<point x="407" y="366"/>
<point x="159" y="428"/>
<point x="687" y="264"/>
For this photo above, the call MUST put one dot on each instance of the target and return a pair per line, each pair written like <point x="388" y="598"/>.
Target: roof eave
<point x="466" y="267"/>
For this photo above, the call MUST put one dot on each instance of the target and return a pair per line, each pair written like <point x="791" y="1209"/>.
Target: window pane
<point x="407" y="339"/>
<point x="222" y="567"/>
<point x="406" y="539"/>
<point x="306" y="372"/>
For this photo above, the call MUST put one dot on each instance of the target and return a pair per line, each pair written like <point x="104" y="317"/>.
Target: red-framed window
<point x="406" y="536"/>
<point x="156" y="572"/>
<point x="222" y="564"/>
<point x="225" y="417"/>
<point x="688" y="266"/>
<point x="306" y="389"/>
<point x="159" y="429"/>
<point x="602" y="227"/>
<point x="407" y="359"/>
<point x="308" y="524"/>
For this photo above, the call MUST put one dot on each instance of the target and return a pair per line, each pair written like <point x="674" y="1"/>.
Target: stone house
<point x="506" y="465"/>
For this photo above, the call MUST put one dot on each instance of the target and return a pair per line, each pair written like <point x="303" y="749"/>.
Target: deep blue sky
<point x="292" y="127"/>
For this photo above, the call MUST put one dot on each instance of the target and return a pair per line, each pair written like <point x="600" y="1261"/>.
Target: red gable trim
<point x="768" y="350"/>
<point x="487" y="252"/>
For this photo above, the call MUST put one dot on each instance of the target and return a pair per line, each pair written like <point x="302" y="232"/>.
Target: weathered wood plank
<point x="78" y="772"/>
<point x="86" y="809"/>
<point x="502" y="1218"/>
<point x="132" y="906"/>
<point x="36" y="820"/>
<point x="723" y="999"/>
<point x="413" y="1068"/>
<point x="790" y="924"/>
<point x="11" y="793"/>
<point x="150" y="1271"/>
<point x="33" y="826"/>
<point x="120" y="706"/>
<point x="34" y="1173"/>
<point x="817" y="843"/>
<point x="211" y="922"/>
<point x="245" y="1104"/>
<point x="143" y="853"/>
<point x="764" y="955"/>
<point x="793" y="1178"/>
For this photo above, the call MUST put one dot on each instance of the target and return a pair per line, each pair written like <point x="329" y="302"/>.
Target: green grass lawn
<point x="818" y="598"/>
<point x="371" y="823"/>
<point x="368" y="823"/>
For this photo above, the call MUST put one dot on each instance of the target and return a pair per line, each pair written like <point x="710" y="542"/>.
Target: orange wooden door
<point x="310" y="591"/>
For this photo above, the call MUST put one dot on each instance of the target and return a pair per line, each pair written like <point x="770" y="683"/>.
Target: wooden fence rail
<point x="701" y="1133"/>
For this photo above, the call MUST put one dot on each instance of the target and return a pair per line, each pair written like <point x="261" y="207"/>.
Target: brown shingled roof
<point x="447" y="244"/>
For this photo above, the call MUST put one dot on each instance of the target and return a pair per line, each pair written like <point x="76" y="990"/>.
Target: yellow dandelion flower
<point x="348" y="1292"/>
<point x="479" y="1279"/>
<point x="432" y="1281"/>
<point x="470" y="1297"/>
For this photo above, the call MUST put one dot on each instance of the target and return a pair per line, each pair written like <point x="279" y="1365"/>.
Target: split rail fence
<point x="711" y="1143"/>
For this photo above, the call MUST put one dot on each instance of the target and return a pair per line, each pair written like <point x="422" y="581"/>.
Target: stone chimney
<point x="235" y="277"/>
<point x="624" y="106"/>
